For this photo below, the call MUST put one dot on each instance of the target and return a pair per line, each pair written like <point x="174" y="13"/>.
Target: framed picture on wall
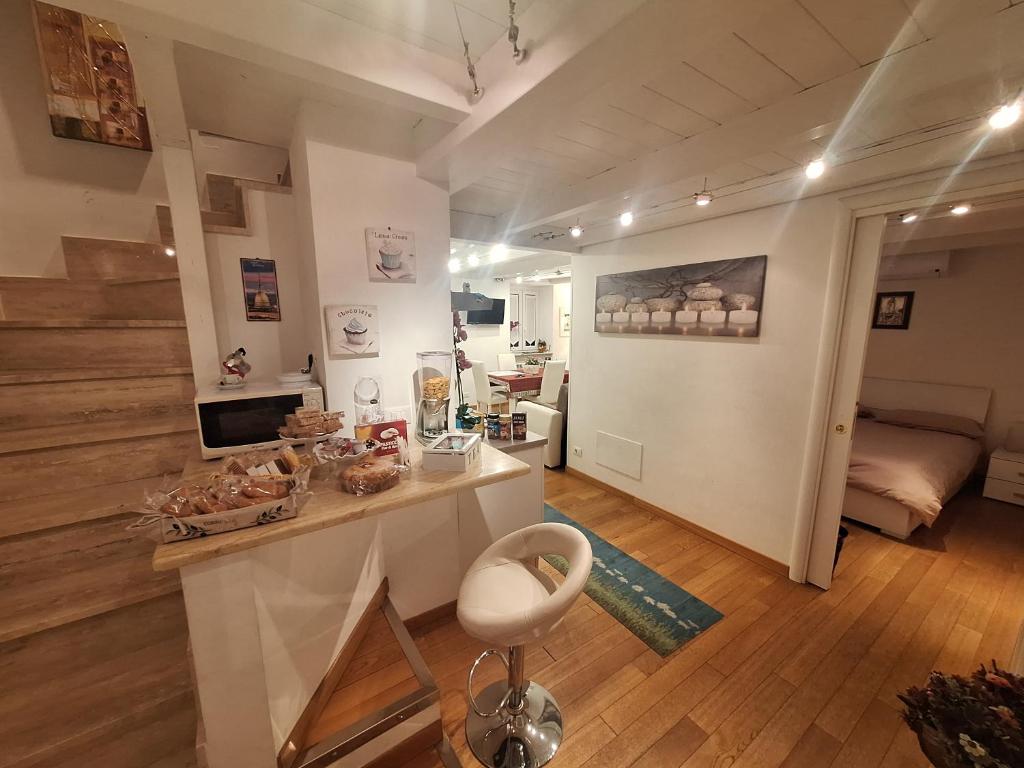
<point x="892" y="310"/>
<point x="352" y="330"/>
<point x="390" y="255"/>
<point x="259" y="286"/>
<point x="564" y="321"/>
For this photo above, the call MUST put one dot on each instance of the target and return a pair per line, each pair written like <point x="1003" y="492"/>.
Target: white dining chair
<point x="550" y="383"/>
<point x="506" y="361"/>
<point x="485" y="396"/>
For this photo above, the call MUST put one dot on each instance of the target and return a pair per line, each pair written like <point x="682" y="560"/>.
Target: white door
<point x="853" y="344"/>
<point x="515" y="327"/>
<point x="529" y="321"/>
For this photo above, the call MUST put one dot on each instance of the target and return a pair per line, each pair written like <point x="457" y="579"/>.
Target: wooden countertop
<point x="329" y="506"/>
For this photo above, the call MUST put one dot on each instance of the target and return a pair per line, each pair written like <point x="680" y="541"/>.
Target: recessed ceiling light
<point x="499" y="252"/>
<point x="1005" y="116"/>
<point x="815" y="168"/>
<point x="626" y="218"/>
<point x="451" y="251"/>
<point x="169" y="251"/>
<point x="519" y="278"/>
<point x="454" y="265"/>
<point x="908" y="218"/>
<point x="960" y="210"/>
<point x="473" y="260"/>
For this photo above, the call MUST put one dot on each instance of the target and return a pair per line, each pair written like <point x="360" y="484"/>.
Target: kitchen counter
<point x="533" y="440"/>
<point x="329" y="506"/>
<point x="271" y="609"/>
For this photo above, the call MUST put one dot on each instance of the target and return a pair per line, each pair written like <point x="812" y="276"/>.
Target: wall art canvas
<point x="711" y="298"/>
<point x="259" y="284"/>
<point x="390" y="255"/>
<point x="352" y="330"/>
<point x="892" y="310"/>
<point x="91" y="92"/>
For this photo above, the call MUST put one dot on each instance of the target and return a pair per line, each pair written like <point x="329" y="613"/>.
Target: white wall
<point x="485" y="342"/>
<point x="50" y="186"/>
<point x="722" y="421"/>
<point x="347" y="191"/>
<point x="231" y="157"/>
<point x="964" y="329"/>
<point x="271" y="347"/>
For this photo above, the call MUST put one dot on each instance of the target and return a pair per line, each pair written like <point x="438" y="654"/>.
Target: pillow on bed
<point x="937" y="422"/>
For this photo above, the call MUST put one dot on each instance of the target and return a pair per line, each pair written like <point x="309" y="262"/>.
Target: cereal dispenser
<point x="433" y="385"/>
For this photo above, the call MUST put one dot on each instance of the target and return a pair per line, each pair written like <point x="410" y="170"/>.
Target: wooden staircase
<point x="95" y="409"/>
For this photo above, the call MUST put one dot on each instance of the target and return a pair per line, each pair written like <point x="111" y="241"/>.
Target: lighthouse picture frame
<point x="259" y="290"/>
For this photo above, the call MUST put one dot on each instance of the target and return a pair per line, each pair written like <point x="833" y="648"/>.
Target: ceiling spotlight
<point x="703" y="197"/>
<point x="451" y="251"/>
<point x="519" y="279"/>
<point x="908" y="218"/>
<point x="815" y="168"/>
<point x="499" y="252"/>
<point x="576" y="230"/>
<point x="1005" y="116"/>
<point x="960" y="210"/>
<point x="454" y="265"/>
<point x="473" y="260"/>
<point x="626" y="218"/>
<point x="168" y="251"/>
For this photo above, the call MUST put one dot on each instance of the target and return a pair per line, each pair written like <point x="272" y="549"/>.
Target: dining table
<point x="519" y="384"/>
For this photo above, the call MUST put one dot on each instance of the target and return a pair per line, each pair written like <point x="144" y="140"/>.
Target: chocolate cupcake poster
<point x="352" y="330"/>
<point x="711" y="298"/>
<point x="390" y="255"/>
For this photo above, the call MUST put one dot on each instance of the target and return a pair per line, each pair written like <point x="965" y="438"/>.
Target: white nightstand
<point x="1005" y="480"/>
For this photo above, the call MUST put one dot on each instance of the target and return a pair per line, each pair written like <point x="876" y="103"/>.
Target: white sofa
<point x="546" y="422"/>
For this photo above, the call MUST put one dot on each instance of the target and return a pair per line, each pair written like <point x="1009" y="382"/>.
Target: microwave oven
<point x="233" y="420"/>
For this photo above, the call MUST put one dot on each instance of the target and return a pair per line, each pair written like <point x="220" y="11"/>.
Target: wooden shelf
<point x="85" y="433"/>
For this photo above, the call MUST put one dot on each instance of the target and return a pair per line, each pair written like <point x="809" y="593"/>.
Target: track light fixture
<point x="576" y="230"/>
<point x="477" y="91"/>
<point x="454" y="265"/>
<point x="1005" y="116"/>
<point x="626" y="218"/>
<point x="908" y="218"/>
<point x="168" y="251"/>
<point x="960" y="209"/>
<point x="499" y="252"/>
<point x="703" y="197"/>
<point x="518" y="54"/>
<point x="815" y="168"/>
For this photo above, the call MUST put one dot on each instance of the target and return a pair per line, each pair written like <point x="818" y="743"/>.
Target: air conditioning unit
<point x="914" y="266"/>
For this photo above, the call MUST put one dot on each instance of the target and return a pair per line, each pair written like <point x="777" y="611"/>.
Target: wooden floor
<point x="792" y="676"/>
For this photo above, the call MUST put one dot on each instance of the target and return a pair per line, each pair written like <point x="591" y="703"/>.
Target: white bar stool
<point x="506" y="600"/>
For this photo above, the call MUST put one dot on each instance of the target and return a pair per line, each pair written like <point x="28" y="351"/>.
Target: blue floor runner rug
<point x="660" y="613"/>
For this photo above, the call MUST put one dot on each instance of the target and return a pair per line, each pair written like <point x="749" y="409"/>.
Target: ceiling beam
<point x="305" y="41"/>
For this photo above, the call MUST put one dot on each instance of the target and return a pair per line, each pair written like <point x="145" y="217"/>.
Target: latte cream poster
<point x="352" y="330"/>
<point x="390" y="255"/>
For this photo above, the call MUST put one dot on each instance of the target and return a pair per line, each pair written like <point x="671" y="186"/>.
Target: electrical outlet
<point x="577" y="450"/>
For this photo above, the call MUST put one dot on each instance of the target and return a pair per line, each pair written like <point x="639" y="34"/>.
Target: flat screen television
<point x="493" y="316"/>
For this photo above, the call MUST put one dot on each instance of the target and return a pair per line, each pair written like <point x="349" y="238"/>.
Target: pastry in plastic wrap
<point x="369" y="477"/>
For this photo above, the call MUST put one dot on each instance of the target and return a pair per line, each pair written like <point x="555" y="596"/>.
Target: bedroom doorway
<point x="855" y="314"/>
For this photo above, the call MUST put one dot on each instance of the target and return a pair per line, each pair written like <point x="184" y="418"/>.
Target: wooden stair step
<point x="69" y="468"/>
<point x="61" y="347"/>
<point x="30" y="405"/>
<point x="52" y="510"/>
<point x="41" y="298"/>
<point x="92" y="258"/>
<point x="91" y="323"/>
<point x="111" y="690"/>
<point x="55" y="577"/>
<point x="90" y="374"/>
<point x="87" y="433"/>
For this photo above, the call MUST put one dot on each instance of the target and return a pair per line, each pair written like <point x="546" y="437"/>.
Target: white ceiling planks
<point x="624" y="123"/>
<point x="747" y="73"/>
<point x="868" y="29"/>
<point x="770" y="162"/>
<point x="686" y="85"/>
<point x="792" y="39"/>
<point x="936" y="17"/>
<point x="662" y="111"/>
<point x="598" y="138"/>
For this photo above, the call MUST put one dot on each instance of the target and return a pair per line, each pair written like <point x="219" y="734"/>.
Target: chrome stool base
<point x="527" y="739"/>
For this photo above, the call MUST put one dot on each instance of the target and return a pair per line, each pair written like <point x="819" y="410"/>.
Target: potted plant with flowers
<point x="969" y="722"/>
<point x="467" y="418"/>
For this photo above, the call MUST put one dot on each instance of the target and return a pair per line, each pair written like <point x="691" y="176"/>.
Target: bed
<point x="915" y="447"/>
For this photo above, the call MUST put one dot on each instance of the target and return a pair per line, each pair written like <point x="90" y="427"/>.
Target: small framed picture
<point x="259" y="285"/>
<point x="352" y="330"/>
<point x="390" y="255"/>
<point x="892" y="310"/>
